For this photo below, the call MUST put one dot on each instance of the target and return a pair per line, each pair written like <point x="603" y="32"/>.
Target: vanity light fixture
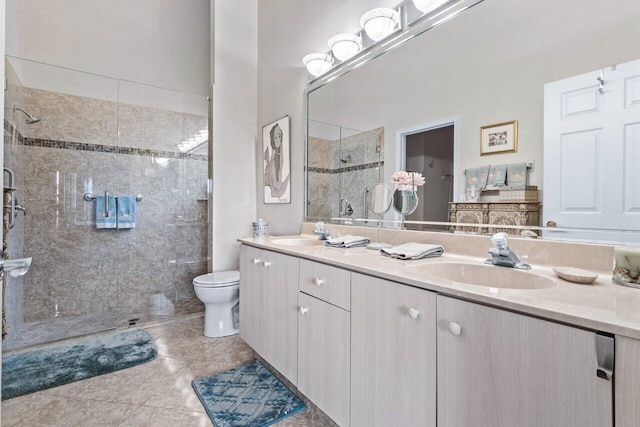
<point x="317" y="63"/>
<point x="344" y="46"/>
<point x="426" y="6"/>
<point x="380" y="22"/>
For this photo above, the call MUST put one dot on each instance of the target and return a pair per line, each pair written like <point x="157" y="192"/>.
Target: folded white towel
<point x="413" y="251"/>
<point x="347" y="241"/>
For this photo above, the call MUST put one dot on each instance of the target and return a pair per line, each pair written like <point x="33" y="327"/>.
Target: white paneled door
<point x="592" y="150"/>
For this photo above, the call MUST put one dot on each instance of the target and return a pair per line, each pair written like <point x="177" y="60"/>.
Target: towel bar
<point x="89" y="197"/>
<point x="530" y="165"/>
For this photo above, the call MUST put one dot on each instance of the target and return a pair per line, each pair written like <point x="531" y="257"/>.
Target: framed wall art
<point x="499" y="138"/>
<point x="276" y="149"/>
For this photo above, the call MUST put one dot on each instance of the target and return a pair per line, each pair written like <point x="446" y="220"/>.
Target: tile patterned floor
<point x="158" y="393"/>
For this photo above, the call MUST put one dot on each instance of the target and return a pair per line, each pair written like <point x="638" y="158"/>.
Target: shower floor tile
<point x="61" y="328"/>
<point x="157" y="393"/>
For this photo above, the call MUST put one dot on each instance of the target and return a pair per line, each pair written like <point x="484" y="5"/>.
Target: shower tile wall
<point x="362" y="172"/>
<point x="78" y="269"/>
<point x="331" y="178"/>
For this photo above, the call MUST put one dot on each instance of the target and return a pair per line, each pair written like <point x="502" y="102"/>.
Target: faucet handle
<point x="499" y="240"/>
<point x="319" y="226"/>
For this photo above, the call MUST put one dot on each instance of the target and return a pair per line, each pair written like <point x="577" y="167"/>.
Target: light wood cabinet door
<point x="280" y="315"/>
<point x="627" y="380"/>
<point x="393" y="354"/>
<point x="501" y="369"/>
<point x="323" y="356"/>
<point x="251" y="299"/>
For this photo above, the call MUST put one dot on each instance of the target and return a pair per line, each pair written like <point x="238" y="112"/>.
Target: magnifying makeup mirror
<point x="405" y="202"/>
<point x="379" y="203"/>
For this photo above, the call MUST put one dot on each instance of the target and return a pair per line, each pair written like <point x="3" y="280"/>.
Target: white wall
<point x="234" y="127"/>
<point x="163" y="43"/>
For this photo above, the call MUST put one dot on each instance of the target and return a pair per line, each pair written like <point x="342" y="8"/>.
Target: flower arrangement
<point x="402" y="178"/>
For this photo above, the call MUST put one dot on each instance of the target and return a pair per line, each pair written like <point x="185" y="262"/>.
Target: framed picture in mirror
<point x="276" y="150"/>
<point x="499" y="138"/>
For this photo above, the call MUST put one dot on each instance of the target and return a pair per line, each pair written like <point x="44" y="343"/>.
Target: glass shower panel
<point x="69" y="152"/>
<point x="360" y="165"/>
<point x="95" y="136"/>
<point x="165" y="134"/>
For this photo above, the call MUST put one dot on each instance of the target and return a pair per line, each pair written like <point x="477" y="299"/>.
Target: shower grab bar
<point x="12" y="209"/>
<point x="89" y="197"/>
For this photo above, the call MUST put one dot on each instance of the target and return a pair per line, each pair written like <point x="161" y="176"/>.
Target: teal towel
<point x="102" y="220"/>
<point x="497" y="176"/>
<point x="517" y="175"/>
<point x="477" y="177"/>
<point x="126" y="211"/>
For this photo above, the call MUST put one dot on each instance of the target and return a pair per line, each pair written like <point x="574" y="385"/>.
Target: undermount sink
<point x="487" y="275"/>
<point x="298" y="241"/>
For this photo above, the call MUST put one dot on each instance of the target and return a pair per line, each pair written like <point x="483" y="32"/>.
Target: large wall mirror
<point x="488" y="65"/>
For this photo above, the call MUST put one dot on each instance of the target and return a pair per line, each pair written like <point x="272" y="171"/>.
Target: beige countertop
<point x="601" y="306"/>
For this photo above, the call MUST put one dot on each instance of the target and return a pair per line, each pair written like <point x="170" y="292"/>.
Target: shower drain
<point x="132" y="322"/>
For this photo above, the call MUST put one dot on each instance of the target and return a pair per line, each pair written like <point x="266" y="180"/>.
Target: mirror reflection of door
<point x="431" y="153"/>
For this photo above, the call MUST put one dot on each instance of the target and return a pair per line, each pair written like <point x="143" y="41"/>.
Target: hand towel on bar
<point x="477" y="177"/>
<point x="102" y="219"/>
<point x="497" y="176"/>
<point x="126" y="211"/>
<point x="347" y="241"/>
<point x="413" y="251"/>
<point x="517" y="175"/>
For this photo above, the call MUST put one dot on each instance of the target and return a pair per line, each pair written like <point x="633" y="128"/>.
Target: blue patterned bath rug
<point x="247" y="396"/>
<point x="54" y="365"/>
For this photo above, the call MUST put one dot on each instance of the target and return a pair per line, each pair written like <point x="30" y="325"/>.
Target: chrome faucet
<point x="323" y="233"/>
<point x="502" y="255"/>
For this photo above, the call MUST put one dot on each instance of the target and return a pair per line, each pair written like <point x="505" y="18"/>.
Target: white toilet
<point x="220" y="294"/>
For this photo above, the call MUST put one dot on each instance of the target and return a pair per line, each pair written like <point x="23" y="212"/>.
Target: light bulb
<point x="344" y="46"/>
<point x="317" y="63"/>
<point x="380" y="22"/>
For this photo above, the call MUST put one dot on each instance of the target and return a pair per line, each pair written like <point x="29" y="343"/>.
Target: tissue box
<point x="527" y="194"/>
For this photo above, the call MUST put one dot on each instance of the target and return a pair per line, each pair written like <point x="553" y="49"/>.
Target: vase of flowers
<point x="407" y="181"/>
<point x="405" y="198"/>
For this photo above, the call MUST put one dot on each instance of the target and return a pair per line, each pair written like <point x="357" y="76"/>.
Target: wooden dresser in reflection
<point x="494" y="213"/>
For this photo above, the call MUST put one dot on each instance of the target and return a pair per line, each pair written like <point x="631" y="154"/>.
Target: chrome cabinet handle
<point x="303" y="310"/>
<point x="256" y="261"/>
<point x="413" y="313"/>
<point x="455" y="328"/>
<point x="266" y="263"/>
<point x="318" y="281"/>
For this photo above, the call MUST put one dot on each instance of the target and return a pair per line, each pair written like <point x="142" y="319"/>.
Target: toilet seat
<point x="220" y="279"/>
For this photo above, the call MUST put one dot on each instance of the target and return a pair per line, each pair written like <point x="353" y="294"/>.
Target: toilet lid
<point x="218" y="279"/>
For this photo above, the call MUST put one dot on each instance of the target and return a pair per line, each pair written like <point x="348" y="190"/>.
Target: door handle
<point x="605" y="353"/>
<point x="413" y="313"/>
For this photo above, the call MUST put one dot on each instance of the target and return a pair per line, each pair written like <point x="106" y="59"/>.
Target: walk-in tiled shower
<point x="98" y="135"/>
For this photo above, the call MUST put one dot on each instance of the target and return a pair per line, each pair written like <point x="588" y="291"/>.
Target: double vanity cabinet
<point x="370" y="351"/>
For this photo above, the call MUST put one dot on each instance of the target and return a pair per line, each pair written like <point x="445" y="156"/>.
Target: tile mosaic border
<point x="82" y="146"/>
<point x="347" y="169"/>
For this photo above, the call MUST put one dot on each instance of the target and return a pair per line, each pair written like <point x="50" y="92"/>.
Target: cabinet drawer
<point x="327" y="283"/>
